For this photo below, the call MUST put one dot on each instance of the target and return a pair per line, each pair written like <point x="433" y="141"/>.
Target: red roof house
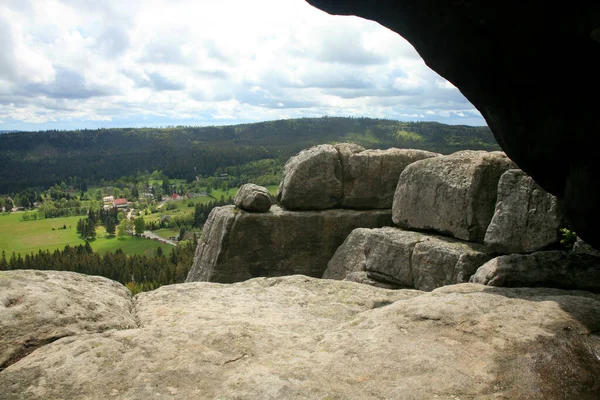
<point x="120" y="203"/>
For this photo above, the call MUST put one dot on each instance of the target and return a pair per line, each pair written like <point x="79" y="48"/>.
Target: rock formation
<point x="304" y="338"/>
<point x="370" y="177"/>
<point x="237" y="245"/>
<point x="526" y="218"/>
<point x="312" y="180"/>
<point x="393" y="257"/>
<point x="39" y="307"/>
<point x="494" y="53"/>
<point x="453" y="194"/>
<point x="251" y="197"/>
<point x="344" y="175"/>
<point x="558" y="269"/>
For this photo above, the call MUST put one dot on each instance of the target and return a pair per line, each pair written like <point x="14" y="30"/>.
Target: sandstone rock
<point x="558" y="269"/>
<point x="392" y="257"/>
<point x="251" y="197"/>
<point x="311" y="180"/>
<point x="526" y="218"/>
<point x="453" y="194"/>
<point x="303" y="338"/>
<point x="236" y="245"/>
<point x="582" y="247"/>
<point x="317" y="178"/>
<point x="560" y="153"/>
<point x="371" y="176"/>
<point x="39" y="307"/>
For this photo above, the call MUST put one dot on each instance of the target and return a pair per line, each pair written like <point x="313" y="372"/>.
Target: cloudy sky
<point x="68" y="64"/>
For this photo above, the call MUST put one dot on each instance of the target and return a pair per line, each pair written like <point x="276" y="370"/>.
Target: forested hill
<point x="30" y="159"/>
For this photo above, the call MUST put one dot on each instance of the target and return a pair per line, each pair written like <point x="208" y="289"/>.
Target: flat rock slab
<point x="303" y="338"/>
<point x="393" y="257"/>
<point x="454" y="195"/>
<point x="38" y="307"/>
<point x="526" y="217"/>
<point x="237" y="245"/>
<point x="558" y="269"/>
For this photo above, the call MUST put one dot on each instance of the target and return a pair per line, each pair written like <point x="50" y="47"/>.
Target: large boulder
<point x="304" y="338"/>
<point x="370" y="177"/>
<point x="236" y="245"/>
<point x="251" y="197"/>
<point x="39" y="307"/>
<point x="344" y="175"/>
<point x="311" y="180"/>
<point x="526" y="219"/>
<point x="557" y="269"/>
<point x="392" y="257"/>
<point x="453" y="194"/>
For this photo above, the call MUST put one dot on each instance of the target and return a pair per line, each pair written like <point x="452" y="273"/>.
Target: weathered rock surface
<point x="454" y="194"/>
<point x="236" y="245"/>
<point x="558" y="269"/>
<point x="370" y="177"/>
<point x="392" y="257"/>
<point x="318" y="178"/>
<point x="582" y="247"/>
<point x="303" y="338"/>
<point x="311" y="180"/>
<point x="493" y="53"/>
<point x="251" y="197"/>
<point x="39" y="307"/>
<point x="526" y="218"/>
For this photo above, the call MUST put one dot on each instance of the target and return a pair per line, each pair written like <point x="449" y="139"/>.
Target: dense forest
<point x="40" y="159"/>
<point x="138" y="272"/>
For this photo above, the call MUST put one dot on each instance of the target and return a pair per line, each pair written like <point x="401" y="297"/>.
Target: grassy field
<point x="30" y="236"/>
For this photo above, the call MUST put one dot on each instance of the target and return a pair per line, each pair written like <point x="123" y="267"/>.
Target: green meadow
<point x="30" y="236"/>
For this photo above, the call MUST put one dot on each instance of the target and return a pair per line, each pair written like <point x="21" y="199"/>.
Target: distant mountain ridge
<point x="30" y="159"/>
<point x="8" y="131"/>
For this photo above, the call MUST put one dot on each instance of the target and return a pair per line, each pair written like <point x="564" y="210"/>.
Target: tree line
<point x="138" y="272"/>
<point x="40" y="159"/>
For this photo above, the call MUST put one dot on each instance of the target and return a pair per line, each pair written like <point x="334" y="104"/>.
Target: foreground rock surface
<point x="558" y="269"/>
<point x="303" y="338"/>
<point x="393" y="257"/>
<point x="526" y="218"/>
<point x="453" y="195"/>
<point x="236" y="245"/>
<point x="251" y="197"/>
<point x="39" y="307"/>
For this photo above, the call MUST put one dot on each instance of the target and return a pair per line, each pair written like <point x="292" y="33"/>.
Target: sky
<point x="75" y="64"/>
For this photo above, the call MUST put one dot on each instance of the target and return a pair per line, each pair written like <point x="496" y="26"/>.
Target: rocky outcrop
<point x="392" y="257"/>
<point x="453" y="195"/>
<point x="526" y="218"/>
<point x="237" y="245"/>
<point x="39" y="307"/>
<point x="303" y="338"/>
<point x="370" y="177"/>
<point x="312" y="180"/>
<point x="548" y="130"/>
<point x="582" y="247"/>
<point x="344" y="175"/>
<point x="558" y="269"/>
<point x="251" y="197"/>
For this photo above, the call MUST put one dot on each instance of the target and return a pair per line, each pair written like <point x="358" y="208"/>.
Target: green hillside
<point x="40" y="159"/>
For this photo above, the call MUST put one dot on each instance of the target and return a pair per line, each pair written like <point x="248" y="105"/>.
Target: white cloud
<point x="69" y="63"/>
